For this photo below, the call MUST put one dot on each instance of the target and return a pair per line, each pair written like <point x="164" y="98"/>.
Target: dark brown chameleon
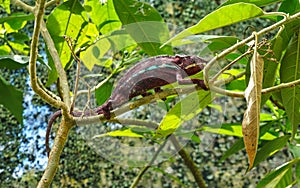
<point x="151" y="73"/>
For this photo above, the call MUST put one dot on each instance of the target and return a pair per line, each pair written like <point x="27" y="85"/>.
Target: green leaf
<point x="6" y="5"/>
<point x="17" y="17"/>
<point x="14" y="25"/>
<point x="12" y="99"/>
<point x="103" y="15"/>
<point x="13" y="61"/>
<point x="295" y="149"/>
<point x="144" y="24"/>
<point x="95" y="53"/>
<point x="270" y="148"/>
<point x="239" y="144"/>
<point x="259" y="3"/>
<point x="103" y="93"/>
<point x="20" y="37"/>
<point x="218" y="44"/>
<point x="67" y="19"/>
<point x="290" y="6"/>
<point x="290" y="71"/>
<point x="225" y="40"/>
<point x="225" y="129"/>
<point x="183" y="111"/>
<point x="126" y="131"/>
<point x="118" y="41"/>
<point x="279" y="45"/>
<point x="270" y="72"/>
<point x="221" y="17"/>
<point x="4" y="49"/>
<point x="87" y="37"/>
<point x="274" y="178"/>
<point x="121" y="41"/>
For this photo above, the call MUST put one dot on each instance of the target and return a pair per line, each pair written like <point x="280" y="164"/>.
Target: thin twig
<point x="229" y="79"/>
<point x="87" y="104"/>
<point x="52" y="2"/>
<point x="280" y="86"/>
<point x="230" y="64"/>
<point x="80" y="92"/>
<point x="142" y="172"/>
<point x="242" y="43"/>
<point x="70" y="44"/>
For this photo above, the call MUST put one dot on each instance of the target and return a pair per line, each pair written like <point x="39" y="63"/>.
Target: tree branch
<point x="68" y="121"/>
<point x="54" y="157"/>
<point x="142" y="172"/>
<point x="33" y="57"/>
<point x="23" y="5"/>
<point x="189" y="162"/>
<point x="65" y="90"/>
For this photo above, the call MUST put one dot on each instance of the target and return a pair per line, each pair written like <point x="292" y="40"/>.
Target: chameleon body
<point x="151" y="73"/>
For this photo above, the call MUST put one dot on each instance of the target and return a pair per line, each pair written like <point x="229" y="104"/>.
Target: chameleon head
<point x="192" y="64"/>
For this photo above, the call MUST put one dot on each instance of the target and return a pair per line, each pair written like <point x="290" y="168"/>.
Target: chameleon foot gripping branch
<point x="151" y="73"/>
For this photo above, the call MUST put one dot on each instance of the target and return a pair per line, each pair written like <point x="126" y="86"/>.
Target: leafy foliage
<point x="109" y="36"/>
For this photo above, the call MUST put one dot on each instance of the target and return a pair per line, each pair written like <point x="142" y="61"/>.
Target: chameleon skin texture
<point x="151" y="73"/>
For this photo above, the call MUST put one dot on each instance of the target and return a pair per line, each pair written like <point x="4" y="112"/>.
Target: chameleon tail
<point x="50" y="123"/>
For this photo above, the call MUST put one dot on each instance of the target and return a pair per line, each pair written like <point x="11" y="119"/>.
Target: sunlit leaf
<point x="221" y="17"/>
<point x="127" y="132"/>
<point x="94" y="54"/>
<point x="225" y="129"/>
<point x="103" y="15"/>
<point x="183" y="111"/>
<point x="68" y="19"/>
<point x="250" y="125"/>
<point x="6" y="5"/>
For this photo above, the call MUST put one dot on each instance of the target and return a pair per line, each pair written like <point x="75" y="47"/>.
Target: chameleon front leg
<point x="105" y="109"/>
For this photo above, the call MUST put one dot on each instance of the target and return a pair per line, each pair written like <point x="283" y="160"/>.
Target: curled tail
<point x="104" y="109"/>
<point x="50" y="123"/>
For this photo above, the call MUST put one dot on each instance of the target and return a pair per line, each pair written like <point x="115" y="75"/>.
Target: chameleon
<point x="150" y="73"/>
